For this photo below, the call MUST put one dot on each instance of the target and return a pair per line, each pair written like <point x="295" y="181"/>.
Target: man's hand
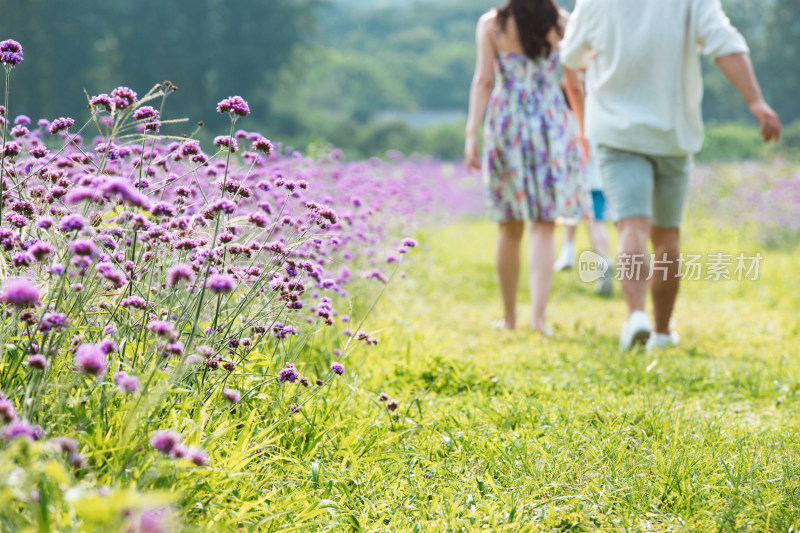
<point x="770" y="123"/>
<point x="471" y="156"/>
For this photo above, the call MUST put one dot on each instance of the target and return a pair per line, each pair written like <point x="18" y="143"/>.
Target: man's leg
<point x="632" y="260"/>
<point x="671" y="189"/>
<point x="628" y="180"/>
<point x="508" y="245"/>
<point x="666" y="279"/>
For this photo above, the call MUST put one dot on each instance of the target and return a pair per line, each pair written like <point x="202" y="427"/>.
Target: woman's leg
<point x="508" y="245"/>
<point x="542" y="254"/>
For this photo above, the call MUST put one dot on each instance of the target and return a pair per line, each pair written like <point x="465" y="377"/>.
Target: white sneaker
<point x="659" y="341"/>
<point x="566" y="259"/>
<point x="605" y="285"/>
<point x="636" y="330"/>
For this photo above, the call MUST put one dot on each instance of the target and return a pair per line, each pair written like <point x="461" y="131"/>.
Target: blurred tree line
<point x="210" y="49"/>
<point x="317" y="70"/>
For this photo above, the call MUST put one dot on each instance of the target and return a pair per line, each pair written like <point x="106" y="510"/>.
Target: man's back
<point x="644" y="79"/>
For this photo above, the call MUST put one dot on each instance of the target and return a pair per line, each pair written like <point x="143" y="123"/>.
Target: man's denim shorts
<point x="637" y="185"/>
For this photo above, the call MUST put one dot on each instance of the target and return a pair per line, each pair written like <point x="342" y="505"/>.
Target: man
<point x="644" y="90"/>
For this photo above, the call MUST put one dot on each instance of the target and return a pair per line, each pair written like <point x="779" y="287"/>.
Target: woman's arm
<point x="576" y="95"/>
<point x="481" y="87"/>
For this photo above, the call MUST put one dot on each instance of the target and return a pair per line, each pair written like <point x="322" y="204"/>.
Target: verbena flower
<point x="231" y="395"/>
<point x="37" y="361"/>
<point x="10" y="53"/>
<point x="220" y="283"/>
<point x="73" y="222"/>
<point x="7" y="411"/>
<point x="178" y="273"/>
<point x="102" y="101"/>
<point x="83" y="247"/>
<point x="123" y="191"/>
<point x="288" y="374"/>
<point x="235" y="105"/>
<point x="39" y="151"/>
<point x="263" y="145"/>
<point x="126" y="383"/>
<point x="123" y="97"/>
<point x="61" y="124"/>
<point x="20" y="429"/>
<point x="149" y="116"/>
<point x="165" y="441"/>
<point x="12" y="149"/>
<point x="337" y="368"/>
<point x="198" y="456"/>
<point x="224" y="141"/>
<point x="91" y="360"/>
<point x="20" y="293"/>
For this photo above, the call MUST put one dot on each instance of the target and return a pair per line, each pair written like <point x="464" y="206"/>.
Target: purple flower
<point x="64" y="444"/>
<point x="235" y="105"/>
<point x="378" y="275"/>
<point x="12" y="149"/>
<point x="7" y="411"/>
<point x="53" y="321"/>
<point x="289" y="373"/>
<point x="220" y="283"/>
<point x="125" y="193"/>
<point x="39" y="151"/>
<point x="198" y="456"/>
<point x="126" y="383"/>
<point x="73" y="222"/>
<point x="337" y="368"/>
<point x="165" y="441"/>
<point x="108" y="346"/>
<point x="23" y="120"/>
<point x="60" y="124"/>
<point x="83" y="247"/>
<point x="123" y="97"/>
<point x="231" y="395"/>
<point x="41" y="250"/>
<point x="19" y="131"/>
<point x="226" y="142"/>
<point x="263" y="145"/>
<point x="19" y="292"/>
<point x="150" y="117"/>
<point x="81" y="194"/>
<point x="19" y="428"/>
<point x="37" y="361"/>
<point x="392" y="405"/>
<point x="174" y="349"/>
<point x="10" y="53"/>
<point x="409" y="243"/>
<point x="161" y="328"/>
<point x="91" y="360"/>
<point x="133" y="301"/>
<point x="178" y="273"/>
<point x="102" y="100"/>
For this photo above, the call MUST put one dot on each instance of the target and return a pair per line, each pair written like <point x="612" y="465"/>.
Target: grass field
<point x="512" y="431"/>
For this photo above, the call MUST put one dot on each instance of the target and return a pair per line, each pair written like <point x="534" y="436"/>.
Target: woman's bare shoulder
<point x="489" y="17"/>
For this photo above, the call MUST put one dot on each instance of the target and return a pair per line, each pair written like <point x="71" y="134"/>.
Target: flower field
<point x="246" y="338"/>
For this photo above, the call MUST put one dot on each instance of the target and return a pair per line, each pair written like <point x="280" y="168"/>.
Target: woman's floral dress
<point x="532" y="158"/>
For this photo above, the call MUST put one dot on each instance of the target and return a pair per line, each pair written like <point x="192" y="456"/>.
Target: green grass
<point x="495" y="430"/>
<point x="511" y="431"/>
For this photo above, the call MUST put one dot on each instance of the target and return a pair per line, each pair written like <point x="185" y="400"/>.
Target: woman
<point x="532" y="157"/>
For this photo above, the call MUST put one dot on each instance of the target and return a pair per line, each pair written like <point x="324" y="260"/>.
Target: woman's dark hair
<point x="535" y="19"/>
